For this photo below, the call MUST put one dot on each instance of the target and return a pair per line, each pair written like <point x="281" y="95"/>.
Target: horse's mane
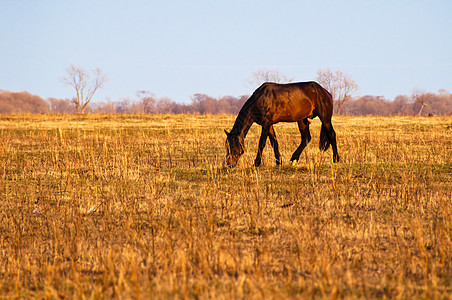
<point x="245" y="110"/>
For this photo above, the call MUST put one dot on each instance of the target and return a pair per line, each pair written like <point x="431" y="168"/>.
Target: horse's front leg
<point x="262" y="141"/>
<point x="274" y="142"/>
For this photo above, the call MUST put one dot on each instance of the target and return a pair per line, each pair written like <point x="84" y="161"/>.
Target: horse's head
<point x="234" y="149"/>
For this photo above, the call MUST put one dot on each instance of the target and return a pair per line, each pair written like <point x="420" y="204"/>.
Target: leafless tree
<point x="339" y="84"/>
<point x="147" y="101"/>
<point x="85" y="85"/>
<point x="266" y="75"/>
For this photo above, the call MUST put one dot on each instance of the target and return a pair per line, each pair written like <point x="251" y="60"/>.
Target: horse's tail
<point x="324" y="110"/>
<point x="324" y="143"/>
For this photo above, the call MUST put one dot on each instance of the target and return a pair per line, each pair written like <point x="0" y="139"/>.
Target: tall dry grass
<point x="112" y="206"/>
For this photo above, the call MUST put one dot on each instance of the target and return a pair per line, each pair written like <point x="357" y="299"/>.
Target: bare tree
<point x="147" y="101"/>
<point x="339" y="84"/>
<point x="85" y="85"/>
<point x="420" y="99"/>
<point x="266" y="75"/>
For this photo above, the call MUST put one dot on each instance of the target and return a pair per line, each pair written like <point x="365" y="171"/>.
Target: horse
<point x="272" y="103"/>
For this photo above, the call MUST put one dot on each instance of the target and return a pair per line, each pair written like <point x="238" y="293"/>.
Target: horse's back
<point x="308" y="88"/>
<point x="290" y="102"/>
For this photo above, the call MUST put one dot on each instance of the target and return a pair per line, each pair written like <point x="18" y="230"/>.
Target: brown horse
<point x="272" y="103"/>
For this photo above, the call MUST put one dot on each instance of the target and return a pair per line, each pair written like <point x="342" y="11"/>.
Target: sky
<point x="176" y="49"/>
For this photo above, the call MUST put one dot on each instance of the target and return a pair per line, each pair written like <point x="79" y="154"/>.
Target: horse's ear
<point x="227" y="133"/>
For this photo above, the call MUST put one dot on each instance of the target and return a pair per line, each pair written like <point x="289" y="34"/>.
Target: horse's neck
<point x="243" y="123"/>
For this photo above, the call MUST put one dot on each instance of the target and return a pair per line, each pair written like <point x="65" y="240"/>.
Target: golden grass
<point x="140" y="206"/>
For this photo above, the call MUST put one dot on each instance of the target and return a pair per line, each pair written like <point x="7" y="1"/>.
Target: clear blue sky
<point x="179" y="48"/>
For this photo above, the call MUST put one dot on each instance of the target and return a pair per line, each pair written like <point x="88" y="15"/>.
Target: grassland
<point x="140" y="206"/>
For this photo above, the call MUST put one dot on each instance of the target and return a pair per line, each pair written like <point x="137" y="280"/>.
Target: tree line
<point x="341" y="86"/>
<point x="419" y="103"/>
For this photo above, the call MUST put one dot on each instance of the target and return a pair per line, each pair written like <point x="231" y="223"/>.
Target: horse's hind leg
<point x="332" y="136"/>
<point x="328" y="137"/>
<point x="274" y="143"/>
<point x="305" y="138"/>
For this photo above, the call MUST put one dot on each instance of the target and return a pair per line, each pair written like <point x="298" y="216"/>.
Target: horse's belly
<point x="292" y="115"/>
<point x="284" y="110"/>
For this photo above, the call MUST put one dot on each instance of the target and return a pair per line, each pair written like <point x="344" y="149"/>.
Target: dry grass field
<point x="141" y="206"/>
